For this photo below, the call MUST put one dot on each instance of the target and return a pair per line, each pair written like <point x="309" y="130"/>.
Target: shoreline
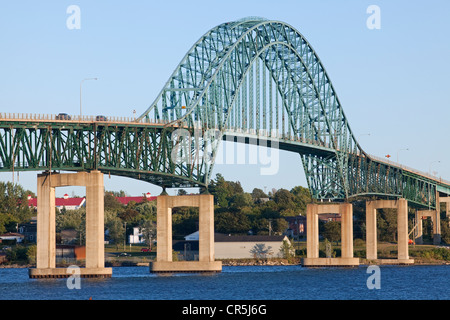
<point x="247" y="262"/>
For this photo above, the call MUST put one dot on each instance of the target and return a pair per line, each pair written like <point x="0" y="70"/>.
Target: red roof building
<point x="64" y="202"/>
<point x="76" y="203"/>
<point x="126" y="200"/>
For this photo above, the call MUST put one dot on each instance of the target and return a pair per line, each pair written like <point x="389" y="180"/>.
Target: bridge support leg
<point x="312" y="238"/>
<point x="435" y="220"/>
<point x="402" y="230"/>
<point x="46" y="234"/>
<point x="164" y="261"/>
<point x="419" y="230"/>
<point x="46" y="244"/>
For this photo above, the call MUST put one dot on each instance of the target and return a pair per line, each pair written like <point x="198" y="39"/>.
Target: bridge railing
<point x="78" y="118"/>
<point x="402" y="166"/>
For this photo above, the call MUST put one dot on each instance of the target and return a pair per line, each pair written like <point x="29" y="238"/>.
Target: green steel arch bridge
<point x="254" y="81"/>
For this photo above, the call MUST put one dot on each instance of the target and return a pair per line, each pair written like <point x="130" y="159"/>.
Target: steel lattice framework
<point x="253" y="78"/>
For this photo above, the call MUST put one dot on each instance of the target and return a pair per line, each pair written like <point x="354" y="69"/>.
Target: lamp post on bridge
<point x="429" y="168"/>
<point x="401" y="150"/>
<point x="81" y="83"/>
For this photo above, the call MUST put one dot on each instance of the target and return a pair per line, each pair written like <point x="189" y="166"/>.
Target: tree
<point x="285" y="201"/>
<point x="13" y="204"/>
<point x="116" y="231"/>
<point x="111" y="202"/>
<point x="258" y="194"/>
<point x="287" y="250"/>
<point x="232" y="222"/>
<point x="260" y="251"/>
<point x="332" y="231"/>
<point x="148" y="230"/>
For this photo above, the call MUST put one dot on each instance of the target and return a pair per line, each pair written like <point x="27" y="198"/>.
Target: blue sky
<point x="392" y="82"/>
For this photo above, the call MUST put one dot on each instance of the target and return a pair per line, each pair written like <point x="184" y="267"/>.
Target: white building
<point x="136" y="236"/>
<point x="240" y="247"/>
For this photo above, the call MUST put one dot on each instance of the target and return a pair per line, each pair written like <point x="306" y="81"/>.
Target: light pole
<point x="399" y="151"/>
<point x="429" y="168"/>
<point x="81" y="83"/>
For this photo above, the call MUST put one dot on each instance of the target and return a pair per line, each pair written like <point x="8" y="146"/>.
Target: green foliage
<point x="332" y="231"/>
<point x="14" y="208"/>
<point x="17" y="254"/>
<point x="436" y="254"/>
<point x="387" y="225"/>
<point x="287" y="250"/>
<point x="240" y="212"/>
<point x="184" y="221"/>
<point x="116" y="231"/>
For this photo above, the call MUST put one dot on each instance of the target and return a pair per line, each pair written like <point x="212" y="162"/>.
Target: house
<point x="64" y="202"/>
<point x="136" y="236"/>
<point x="12" y="237"/>
<point x="297" y="227"/>
<point x="29" y="230"/>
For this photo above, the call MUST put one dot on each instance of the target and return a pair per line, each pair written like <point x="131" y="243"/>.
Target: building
<point x="297" y="227"/>
<point x="69" y="253"/>
<point x="230" y="247"/>
<point x="136" y="236"/>
<point x="241" y="247"/>
<point x="64" y="202"/>
<point x="126" y="200"/>
<point x="11" y="237"/>
<point x="330" y="217"/>
<point x="29" y="230"/>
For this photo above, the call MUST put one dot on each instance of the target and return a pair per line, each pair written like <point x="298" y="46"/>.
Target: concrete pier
<point x="435" y="221"/>
<point x="164" y="259"/>
<point x="402" y="230"/>
<point x="312" y="237"/>
<point x="46" y="238"/>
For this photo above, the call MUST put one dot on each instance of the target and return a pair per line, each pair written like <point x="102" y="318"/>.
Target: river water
<point x="239" y="283"/>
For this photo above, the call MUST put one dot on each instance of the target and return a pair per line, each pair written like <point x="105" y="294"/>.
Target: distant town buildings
<point x="64" y="202"/>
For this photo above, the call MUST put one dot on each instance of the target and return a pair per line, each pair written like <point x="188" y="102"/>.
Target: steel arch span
<point x="253" y="81"/>
<point x="262" y="78"/>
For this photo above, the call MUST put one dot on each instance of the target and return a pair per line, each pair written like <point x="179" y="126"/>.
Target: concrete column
<point x="371" y="230"/>
<point x="312" y="231"/>
<point x="419" y="228"/>
<point x="46" y="239"/>
<point x="163" y="229"/>
<point x="95" y="242"/>
<point x="402" y="229"/>
<point x="206" y="228"/>
<point x="346" y="211"/>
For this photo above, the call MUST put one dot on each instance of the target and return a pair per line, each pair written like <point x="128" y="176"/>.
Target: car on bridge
<point x="63" y="116"/>
<point x="145" y="250"/>
<point x="101" y="118"/>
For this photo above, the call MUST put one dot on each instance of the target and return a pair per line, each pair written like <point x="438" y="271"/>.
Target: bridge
<point x="253" y="81"/>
